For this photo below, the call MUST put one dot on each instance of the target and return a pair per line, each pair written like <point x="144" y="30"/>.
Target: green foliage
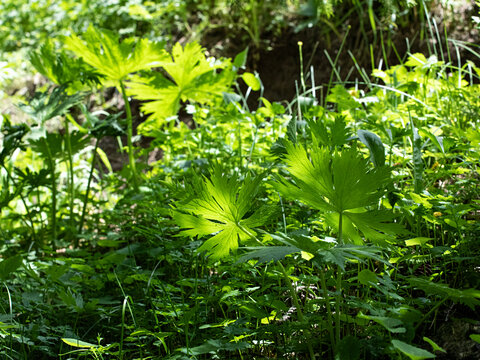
<point x="340" y="184"/>
<point x="113" y="59"/>
<point x="220" y="205"/>
<point x="191" y="77"/>
<point x="62" y="69"/>
<point x="117" y="262"/>
<point x="45" y="106"/>
<point x="411" y="351"/>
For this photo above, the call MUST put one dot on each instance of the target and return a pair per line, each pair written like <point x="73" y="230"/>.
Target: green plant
<point x="115" y="61"/>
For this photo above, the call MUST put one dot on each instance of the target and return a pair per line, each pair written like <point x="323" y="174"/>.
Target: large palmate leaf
<point x="191" y="77"/>
<point x="218" y="207"/>
<point x="114" y="59"/>
<point x="340" y="183"/>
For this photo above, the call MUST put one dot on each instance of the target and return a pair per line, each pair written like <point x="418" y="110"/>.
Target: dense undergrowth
<point x="340" y="225"/>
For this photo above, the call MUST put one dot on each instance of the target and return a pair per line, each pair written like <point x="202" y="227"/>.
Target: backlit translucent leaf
<point x="191" y="77"/>
<point x="218" y="207"/>
<point x="251" y="81"/>
<point x="114" y="59"/>
<point x="79" y="343"/>
<point x="340" y="183"/>
<point x="434" y="344"/>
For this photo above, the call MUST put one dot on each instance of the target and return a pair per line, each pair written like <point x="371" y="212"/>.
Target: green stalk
<point x="239" y="139"/>
<point x="11" y="316"/>
<point x="124" y="306"/>
<point x="297" y="305"/>
<point x="71" y="187"/>
<point x="329" y="308"/>
<point x="338" y="298"/>
<point x="53" y="214"/>
<point x="131" y="157"/>
<point x="85" y="202"/>
<point x="338" y="295"/>
<point x="302" y="79"/>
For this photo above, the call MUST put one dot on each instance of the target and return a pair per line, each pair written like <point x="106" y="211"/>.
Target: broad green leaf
<point x="391" y="324"/>
<point x="218" y="207"/>
<point x="421" y="200"/>
<point x="421" y="241"/>
<point x="241" y="59"/>
<point x="342" y="98"/>
<point x="191" y="77"/>
<point x="251" y="80"/>
<point x="254" y="311"/>
<point x="434" y="345"/>
<point x="268" y="253"/>
<point x="367" y="277"/>
<point x="50" y="145"/>
<point x="339" y="183"/>
<point x="333" y="182"/>
<point x="79" y="343"/>
<point x="475" y="337"/>
<point x="114" y="59"/>
<point x="375" y="145"/>
<point x="411" y="351"/>
<point x="417" y="59"/>
<point x="376" y="225"/>
<point x="9" y="265"/>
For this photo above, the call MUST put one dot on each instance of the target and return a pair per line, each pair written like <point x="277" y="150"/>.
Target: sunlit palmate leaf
<point x="114" y="59"/>
<point x="191" y="77"/>
<point x="218" y="207"/>
<point x="340" y="183"/>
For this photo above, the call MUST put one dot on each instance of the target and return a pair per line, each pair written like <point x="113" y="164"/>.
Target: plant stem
<point x="53" y="214"/>
<point x="297" y="305"/>
<point x="85" y="202"/>
<point x="131" y="157"/>
<point x="338" y="296"/>
<point x="125" y="300"/>
<point x="71" y="186"/>
<point x="327" y="305"/>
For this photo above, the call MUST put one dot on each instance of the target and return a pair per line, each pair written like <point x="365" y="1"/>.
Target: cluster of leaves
<point x="351" y="224"/>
